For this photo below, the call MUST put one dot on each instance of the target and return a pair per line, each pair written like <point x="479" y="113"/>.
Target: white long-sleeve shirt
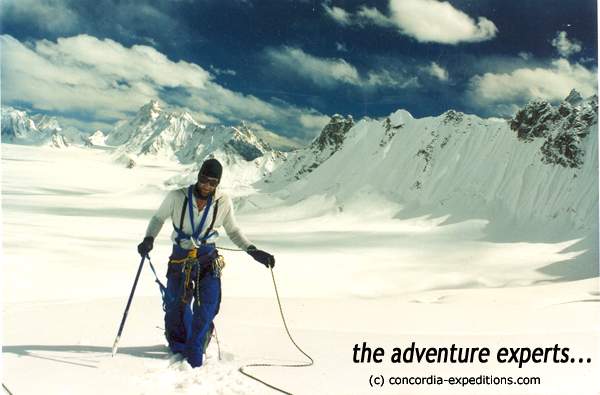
<point x="172" y="206"/>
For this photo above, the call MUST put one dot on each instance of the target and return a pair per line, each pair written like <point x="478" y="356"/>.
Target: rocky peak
<point x="246" y="143"/>
<point x="150" y="110"/>
<point x="188" y="117"/>
<point x="46" y="123"/>
<point x="57" y="140"/>
<point x="145" y="117"/>
<point x="574" y="98"/>
<point x="334" y="132"/>
<point x="243" y="130"/>
<point x="452" y="117"/>
<point x="329" y="141"/>
<point x="563" y="127"/>
<point x="531" y="121"/>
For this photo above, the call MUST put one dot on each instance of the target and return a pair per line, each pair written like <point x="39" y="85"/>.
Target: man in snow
<point x="193" y="276"/>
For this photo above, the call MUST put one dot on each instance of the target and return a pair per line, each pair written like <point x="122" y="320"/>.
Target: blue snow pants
<point x="192" y="301"/>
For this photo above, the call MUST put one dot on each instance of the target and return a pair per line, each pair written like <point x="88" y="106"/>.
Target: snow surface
<point x="71" y="222"/>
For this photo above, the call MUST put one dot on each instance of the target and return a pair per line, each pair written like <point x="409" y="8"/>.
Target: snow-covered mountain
<point x="126" y="129"/>
<point x="19" y="127"/>
<point x="563" y="129"/>
<point x="96" y="139"/>
<point x="155" y="132"/>
<point x="540" y="167"/>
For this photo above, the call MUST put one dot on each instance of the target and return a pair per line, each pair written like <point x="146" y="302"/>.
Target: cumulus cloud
<point x="439" y="22"/>
<point x="106" y="81"/>
<point x="552" y="83"/>
<point x="437" y="71"/>
<point x="564" y="46"/>
<point x="328" y="73"/>
<point x="425" y="20"/>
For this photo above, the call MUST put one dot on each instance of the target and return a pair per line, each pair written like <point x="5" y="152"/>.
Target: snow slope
<point x="71" y="222"/>
<point x="459" y="167"/>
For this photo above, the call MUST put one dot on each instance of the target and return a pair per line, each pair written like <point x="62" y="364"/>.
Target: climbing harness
<point x="195" y="236"/>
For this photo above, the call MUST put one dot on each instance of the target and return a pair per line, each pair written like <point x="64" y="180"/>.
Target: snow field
<point x="72" y="219"/>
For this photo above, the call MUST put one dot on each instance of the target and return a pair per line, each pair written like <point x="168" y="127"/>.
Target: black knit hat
<point x="211" y="168"/>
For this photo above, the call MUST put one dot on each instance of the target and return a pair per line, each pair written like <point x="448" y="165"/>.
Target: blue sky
<point x="288" y="65"/>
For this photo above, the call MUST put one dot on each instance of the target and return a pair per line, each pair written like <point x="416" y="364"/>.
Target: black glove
<point x="261" y="256"/>
<point x="146" y="246"/>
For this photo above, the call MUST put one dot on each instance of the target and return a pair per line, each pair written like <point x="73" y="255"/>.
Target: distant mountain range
<point x="540" y="165"/>
<point x="19" y="128"/>
<point x="176" y="135"/>
<point x="536" y="173"/>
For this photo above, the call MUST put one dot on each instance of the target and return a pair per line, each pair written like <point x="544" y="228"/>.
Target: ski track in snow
<point x="72" y="219"/>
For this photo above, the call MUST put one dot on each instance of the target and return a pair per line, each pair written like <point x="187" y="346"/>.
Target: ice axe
<point x="137" y="276"/>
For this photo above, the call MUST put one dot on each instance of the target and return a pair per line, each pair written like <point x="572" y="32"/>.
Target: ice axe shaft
<point x="137" y="276"/>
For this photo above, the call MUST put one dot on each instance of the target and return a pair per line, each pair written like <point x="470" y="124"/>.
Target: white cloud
<point x="439" y="22"/>
<point x="322" y="72"/>
<point x="374" y="16"/>
<point x="138" y="64"/>
<point x="84" y="73"/>
<point x="107" y="81"/>
<point x="425" y="20"/>
<point x="329" y="73"/>
<point x="551" y="83"/>
<point x="564" y="46"/>
<point x="316" y="122"/>
<point x="437" y="71"/>
<point x="338" y="14"/>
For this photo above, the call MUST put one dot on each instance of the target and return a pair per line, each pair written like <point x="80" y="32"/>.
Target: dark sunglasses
<point x="213" y="182"/>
